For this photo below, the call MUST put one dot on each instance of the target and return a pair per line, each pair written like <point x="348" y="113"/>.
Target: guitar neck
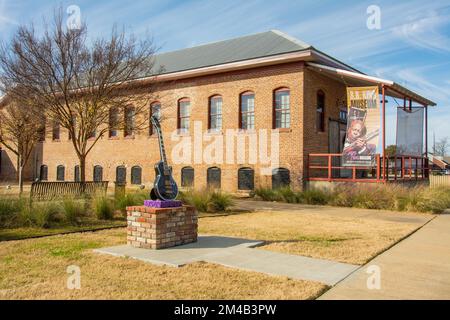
<point x="162" y="150"/>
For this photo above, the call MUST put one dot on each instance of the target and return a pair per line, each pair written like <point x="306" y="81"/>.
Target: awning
<point x="355" y="79"/>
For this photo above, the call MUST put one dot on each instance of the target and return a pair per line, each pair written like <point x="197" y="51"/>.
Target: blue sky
<point x="412" y="47"/>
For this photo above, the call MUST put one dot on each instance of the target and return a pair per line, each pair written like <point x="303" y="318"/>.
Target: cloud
<point x="425" y="32"/>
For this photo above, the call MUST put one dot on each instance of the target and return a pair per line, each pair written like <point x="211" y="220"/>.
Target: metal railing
<point x="44" y="191"/>
<point x="328" y="167"/>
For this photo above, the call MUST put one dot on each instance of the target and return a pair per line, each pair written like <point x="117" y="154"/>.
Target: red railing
<point x="328" y="167"/>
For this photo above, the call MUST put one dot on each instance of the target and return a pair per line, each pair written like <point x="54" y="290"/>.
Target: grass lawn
<point x="36" y="269"/>
<point x="340" y="238"/>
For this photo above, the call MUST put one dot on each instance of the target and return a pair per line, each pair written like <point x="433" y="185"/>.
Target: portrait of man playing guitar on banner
<point x="357" y="147"/>
<point x="363" y="127"/>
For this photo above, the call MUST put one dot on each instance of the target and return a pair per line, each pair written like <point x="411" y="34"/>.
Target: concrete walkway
<point x="416" y="268"/>
<point x="238" y="253"/>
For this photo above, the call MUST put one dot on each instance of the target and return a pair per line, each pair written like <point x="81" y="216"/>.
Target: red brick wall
<point x="143" y="150"/>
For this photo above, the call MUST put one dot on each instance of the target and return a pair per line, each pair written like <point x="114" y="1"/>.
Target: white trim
<point x="353" y="74"/>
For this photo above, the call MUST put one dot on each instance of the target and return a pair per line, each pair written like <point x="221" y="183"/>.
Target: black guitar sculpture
<point x="165" y="187"/>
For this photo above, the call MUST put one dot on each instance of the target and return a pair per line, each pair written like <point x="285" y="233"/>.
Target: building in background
<point x="267" y="81"/>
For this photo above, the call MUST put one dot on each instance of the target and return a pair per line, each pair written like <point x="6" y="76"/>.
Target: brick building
<point x="267" y="81"/>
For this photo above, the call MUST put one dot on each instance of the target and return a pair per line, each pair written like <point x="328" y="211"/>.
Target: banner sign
<point x="363" y="127"/>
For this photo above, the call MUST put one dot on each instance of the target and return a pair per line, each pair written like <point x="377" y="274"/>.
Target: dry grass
<point x="36" y="269"/>
<point x="341" y="238"/>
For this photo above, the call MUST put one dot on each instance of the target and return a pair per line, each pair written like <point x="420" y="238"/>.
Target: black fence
<point x="44" y="191"/>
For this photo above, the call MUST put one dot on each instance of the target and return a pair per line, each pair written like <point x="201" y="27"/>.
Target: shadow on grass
<point x="28" y="233"/>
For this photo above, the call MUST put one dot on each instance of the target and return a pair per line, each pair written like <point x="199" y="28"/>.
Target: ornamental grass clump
<point x="207" y="200"/>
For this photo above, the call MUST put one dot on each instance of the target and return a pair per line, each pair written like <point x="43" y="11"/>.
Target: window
<point x="98" y="173"/>
<point x="43" y="173"/>
<point x="129" y="121"/>
<point x="280" y="178"/>
<point x="60" y="173"/>
<point x="76" y="174"/>
<point x="136" y="175"/>
<point x="184" y="113"/>
<point x="246" y="179"/>
<point x="247" y="111"/>
<point x="187" y="177"/>
<point x="213" y="178"/>
<point x="121" y="175"/>
<point x="113" y="122"/>
<point x="155" y="110"/>
<point x="343" y="115"/>
<point x="56" y="130"/>
<point x="281" y="109"/>
<point x="215" y="113"/>
<point x="320" y="111"/>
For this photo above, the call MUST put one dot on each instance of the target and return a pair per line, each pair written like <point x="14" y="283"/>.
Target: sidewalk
<point x="239" y="253"/>
<point x="416" y="268"/>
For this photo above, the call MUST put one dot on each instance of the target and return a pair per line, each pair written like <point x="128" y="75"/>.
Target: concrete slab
<point x="416" y="268"/>
<point x="239" y="253"/>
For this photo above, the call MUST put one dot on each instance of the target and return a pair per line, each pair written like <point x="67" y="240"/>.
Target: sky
<point x="411" y="47"/>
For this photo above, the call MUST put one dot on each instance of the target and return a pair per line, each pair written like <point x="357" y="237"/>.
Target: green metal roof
<point x="254" y="46"/>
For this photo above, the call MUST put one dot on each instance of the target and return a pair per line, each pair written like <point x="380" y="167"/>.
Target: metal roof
<point x="254" y="46"/>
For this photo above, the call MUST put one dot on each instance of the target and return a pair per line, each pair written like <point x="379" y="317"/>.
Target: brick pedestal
<point x="158" y="228"/>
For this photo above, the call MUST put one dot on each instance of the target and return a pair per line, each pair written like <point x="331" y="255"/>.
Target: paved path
<point x="416" y="268"/>
<point x="256" y="205"/>
<point x="238" y="253"/>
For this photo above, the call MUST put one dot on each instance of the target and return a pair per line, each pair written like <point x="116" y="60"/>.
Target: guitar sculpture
<point x="165" y="187"/>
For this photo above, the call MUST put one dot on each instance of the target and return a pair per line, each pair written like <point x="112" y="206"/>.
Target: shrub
<point x="207" y="200"/>
<point x="42" y="215"/>
<point x="9" y="210"/>
<point x="434" y="200"/>
<point x="314" y="196"/>
<point x="73" y="210"/>
<point x="103" y="208"/>
<point x="220" y="201"/>
<point x="267" y="194"/>
<point x="130" y="199"/>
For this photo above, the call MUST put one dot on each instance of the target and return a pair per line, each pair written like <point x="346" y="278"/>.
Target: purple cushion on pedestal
<point x="162" y="203"/>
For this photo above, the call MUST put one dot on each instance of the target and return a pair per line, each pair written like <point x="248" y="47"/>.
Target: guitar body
<point x="165" y="187"/>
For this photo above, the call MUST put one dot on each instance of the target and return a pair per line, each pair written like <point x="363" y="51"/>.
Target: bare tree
<point x="441" y="147"/>
<point x="21" y="128"/>
<point x="77" y="82"/>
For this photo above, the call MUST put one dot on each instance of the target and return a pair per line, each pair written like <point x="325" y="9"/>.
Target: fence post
<point x="329" y="168"/>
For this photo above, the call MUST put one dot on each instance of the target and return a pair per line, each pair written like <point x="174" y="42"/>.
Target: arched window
<point x="213" y="178"/>
<point x="280" y="178"/>
<point x="98" y="173"/>
<point x="281" y="108"/>
<point x="113" y="122"/>
<point x="121" y="175"/>
<point x="130" y="114"/>
<point x="155" y="110"/>
<point x="320" y="111"/>
<point x="246" y="179"/>
<point x="43" y="173"/>
<point x="184" y="114"/>
<point x="215" y="113"/>
<point x="247" y="111"/>
<point x="60" y="173"/>
<point x="136" y="175"/>
<point x="187" y="177"/>
<point x="76" y="173"/>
